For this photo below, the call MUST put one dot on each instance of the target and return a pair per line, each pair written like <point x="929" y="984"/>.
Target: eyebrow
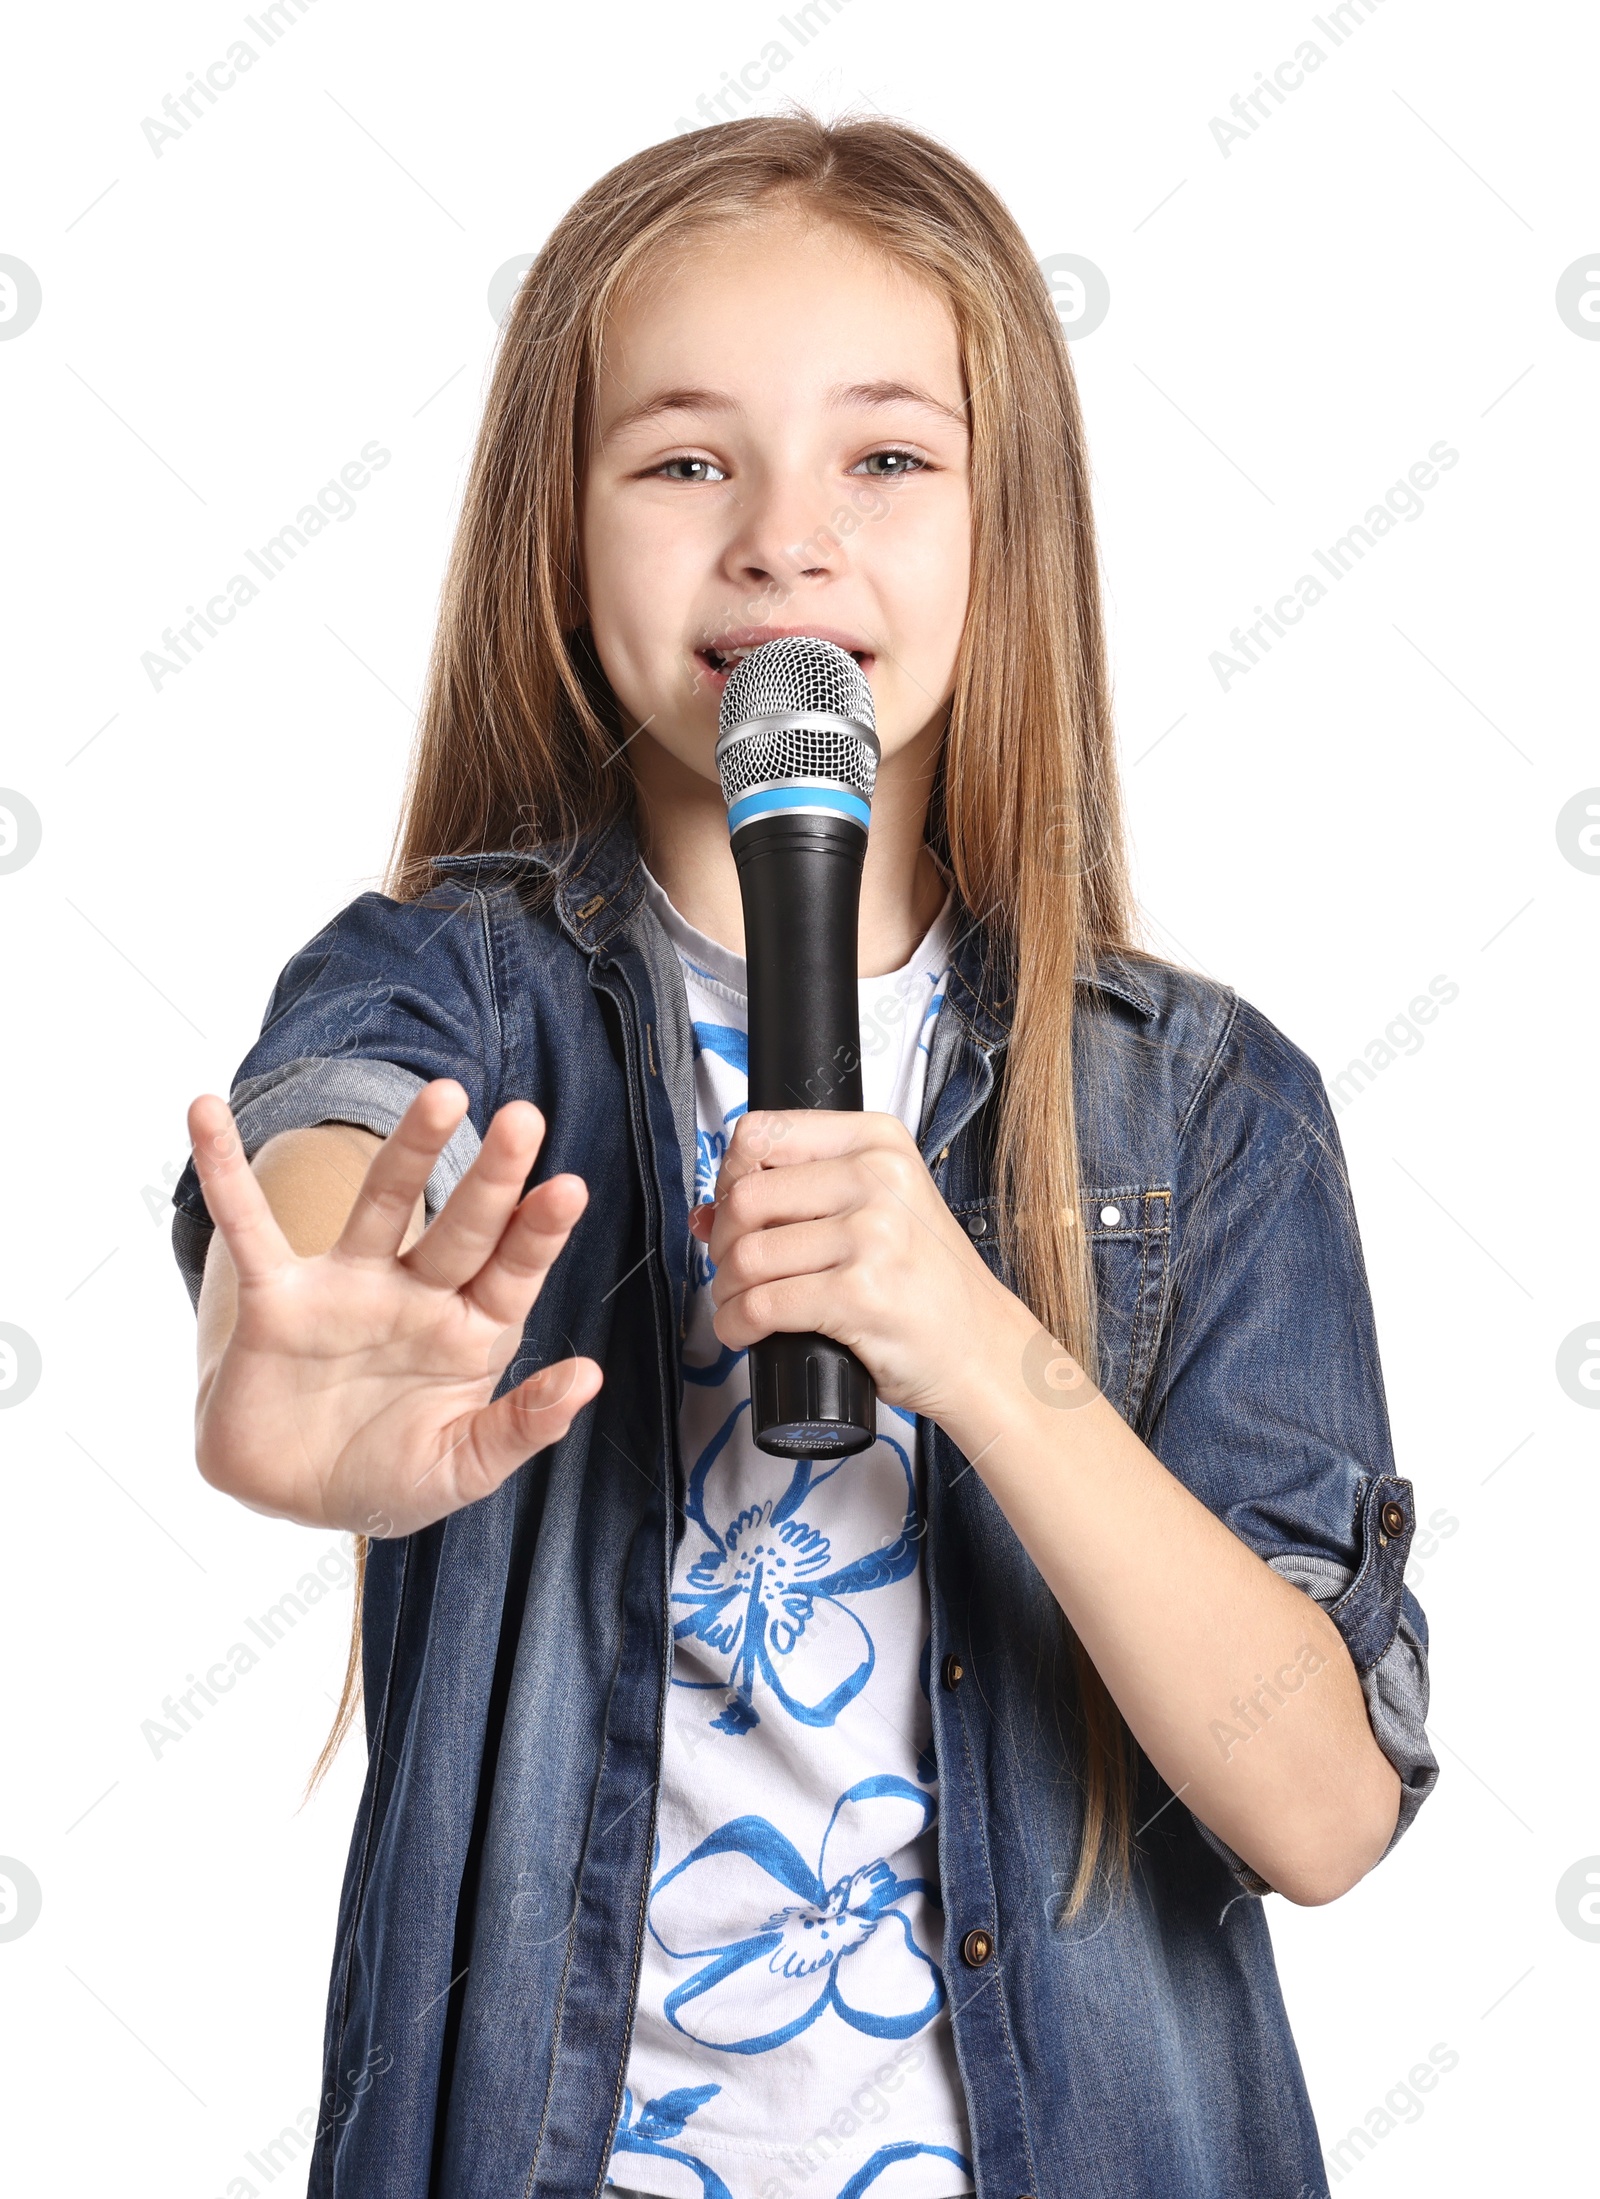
<point x="718" y="400"/>
<point x="673" y="400"/>
<point x="894" y="393"/>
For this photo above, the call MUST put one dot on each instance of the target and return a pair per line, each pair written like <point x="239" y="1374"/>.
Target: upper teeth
<point x="744" y="649"/>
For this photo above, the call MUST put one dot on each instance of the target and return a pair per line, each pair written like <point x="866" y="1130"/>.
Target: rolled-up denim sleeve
<point x="1267" y="1396"/>
<point x="386" y="997"/>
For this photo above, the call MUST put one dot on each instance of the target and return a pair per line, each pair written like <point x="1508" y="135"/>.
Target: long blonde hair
<point x="517" y="736"/>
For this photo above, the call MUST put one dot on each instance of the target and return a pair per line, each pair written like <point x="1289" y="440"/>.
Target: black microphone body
<point x="799" y="775"/>
<point x="800" y="881"/>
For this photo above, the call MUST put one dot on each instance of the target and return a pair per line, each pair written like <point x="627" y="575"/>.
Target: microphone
<point x="798" y="755"/>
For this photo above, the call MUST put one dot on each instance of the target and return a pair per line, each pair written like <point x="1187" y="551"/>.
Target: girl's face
<point x="780" y="447"/>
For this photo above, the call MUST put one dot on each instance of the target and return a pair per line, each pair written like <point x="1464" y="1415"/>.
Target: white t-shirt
<point x="792" y="2033"/>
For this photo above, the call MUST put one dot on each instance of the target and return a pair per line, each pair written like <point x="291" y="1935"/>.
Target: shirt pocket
<point x="1130" y="1236"/>
<point x="1130" y="1233"/>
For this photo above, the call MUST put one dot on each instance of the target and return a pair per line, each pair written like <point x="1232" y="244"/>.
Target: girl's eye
<point x="889" y="465"/>
<point x="693" y="469"/>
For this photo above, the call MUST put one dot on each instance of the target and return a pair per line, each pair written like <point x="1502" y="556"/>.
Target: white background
<point x="1291" y="327"/>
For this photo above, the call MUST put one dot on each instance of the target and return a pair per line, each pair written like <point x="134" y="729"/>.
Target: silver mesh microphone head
<point x="797" y="673"/>
<point x="797" y="708"/>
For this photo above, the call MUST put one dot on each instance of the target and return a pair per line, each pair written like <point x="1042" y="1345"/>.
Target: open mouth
<point x="718" y="659"/>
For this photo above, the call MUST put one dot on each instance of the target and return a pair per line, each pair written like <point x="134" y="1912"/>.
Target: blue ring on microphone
<point x="772" y="800"/>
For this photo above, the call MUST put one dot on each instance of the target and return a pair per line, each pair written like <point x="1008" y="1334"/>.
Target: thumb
<point x="529" y="1418"/>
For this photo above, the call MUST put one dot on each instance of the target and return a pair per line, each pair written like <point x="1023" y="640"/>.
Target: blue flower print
<point x="726" y="1041"/>
<point x="764" y="1593"/>
<point x="731" y="1045"/>
<point x="709" y="1148"/>
<point x="716" y="1371"/>
<point x="664" y="2118"/>
<point x="787" y="1942"/>
<point x="888" y="2156"/>
<point x="930" y="1016"/>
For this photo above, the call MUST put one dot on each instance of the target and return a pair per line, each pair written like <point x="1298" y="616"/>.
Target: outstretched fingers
<point x="398" y="1172"/>
<point x="496" y="1439"/>
<point x="511" y="1278"/>
<point x="234" y="1199"/>
<point x="472" y="1221"/>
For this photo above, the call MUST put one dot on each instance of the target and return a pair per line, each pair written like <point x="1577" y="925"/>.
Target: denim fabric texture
<point x="516" y="1655"/>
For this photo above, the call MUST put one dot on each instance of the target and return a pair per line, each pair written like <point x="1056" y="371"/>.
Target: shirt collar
<point x="599" y="878"/>
<point x="600" y="882"/>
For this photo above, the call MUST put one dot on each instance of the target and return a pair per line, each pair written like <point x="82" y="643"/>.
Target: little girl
<point x="736" y="1825"/>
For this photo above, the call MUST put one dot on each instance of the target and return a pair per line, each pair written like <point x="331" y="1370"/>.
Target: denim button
<point x="1394" y="1518"/>
<point x="951" y="1671"/>
<point x="975" y="1225"/>
<point x="976" y="1948"/>
<point x="1110" y="1216"/>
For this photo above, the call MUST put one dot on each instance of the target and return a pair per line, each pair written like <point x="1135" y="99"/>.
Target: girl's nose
<point x="782" y="534"/>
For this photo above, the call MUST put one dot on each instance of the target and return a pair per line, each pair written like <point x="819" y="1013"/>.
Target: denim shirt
<point x="516" y="1655"/>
